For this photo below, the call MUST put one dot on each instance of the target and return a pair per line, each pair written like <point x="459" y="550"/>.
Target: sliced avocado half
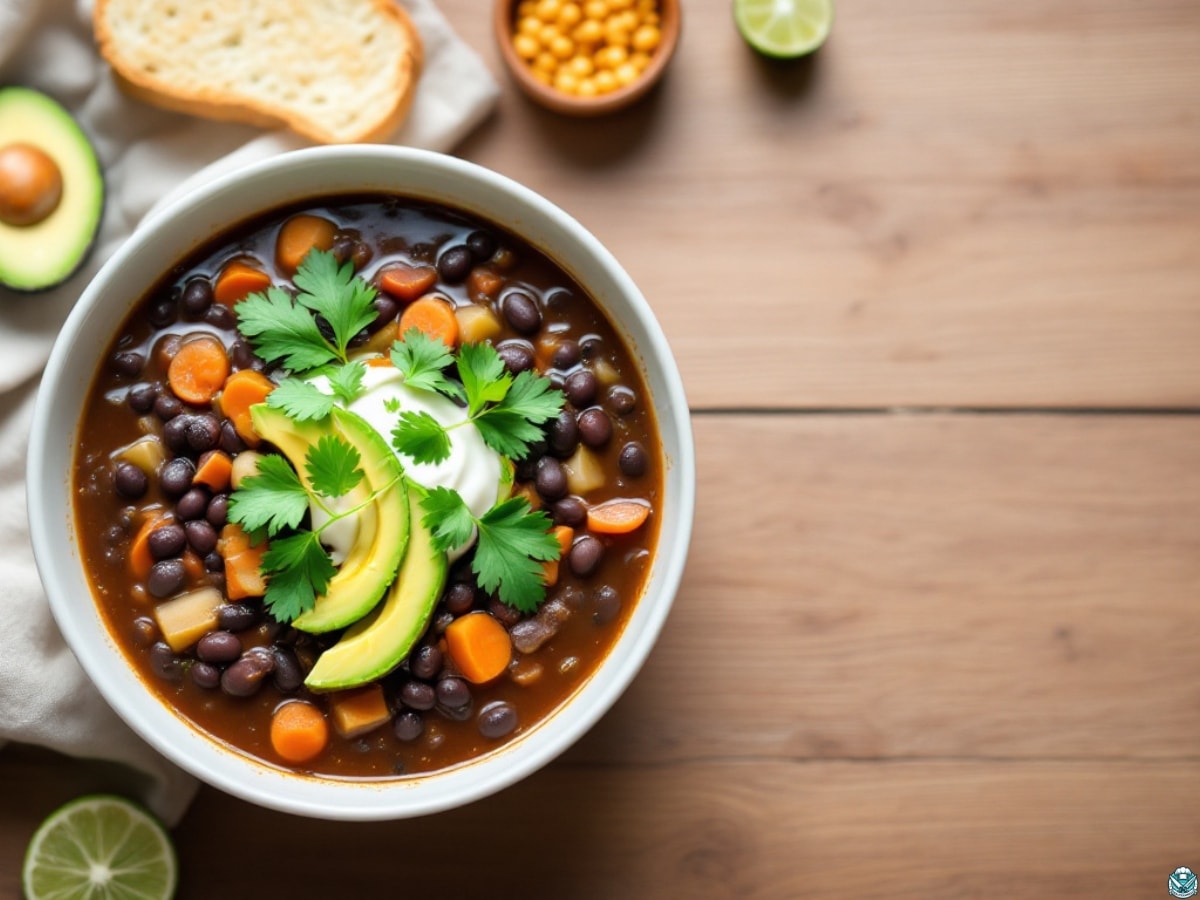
<point x="383" y="525"/>
<point x="378" y="643"/>
<point x="51" y="191"/>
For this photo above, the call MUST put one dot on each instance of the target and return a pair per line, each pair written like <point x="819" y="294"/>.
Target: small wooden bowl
<point x="504" y="25"/>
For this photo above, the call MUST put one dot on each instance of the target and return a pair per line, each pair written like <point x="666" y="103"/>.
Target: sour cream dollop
<point x="473" y="469"/>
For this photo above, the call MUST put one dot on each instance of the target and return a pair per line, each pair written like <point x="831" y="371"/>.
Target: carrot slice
<point x="479" y="646"/>
<point x="564" y="534"/>
<point x="198" y="369"/>
<point x="617" y="516"/>
<point x="297" y="236"/>
<point x="242" y="390"/>
<point x="433" y="315"/>
<point x="298" y="731"/>
<point x="214" y="469"/>
<point x="243" y="573"/>
<point x="483" y="283"/>
<point x="141" y="560"/>
<point x="407" y="283"/>
<point x="237" y="280"/>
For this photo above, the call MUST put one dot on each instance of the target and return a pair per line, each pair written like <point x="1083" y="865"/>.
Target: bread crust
<point x="375" y="124"/>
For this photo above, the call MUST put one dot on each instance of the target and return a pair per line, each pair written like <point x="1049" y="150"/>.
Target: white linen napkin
<point x="147" y="156"/>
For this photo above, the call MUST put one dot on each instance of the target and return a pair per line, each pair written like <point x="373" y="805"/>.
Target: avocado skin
<point x="20" y="106"/>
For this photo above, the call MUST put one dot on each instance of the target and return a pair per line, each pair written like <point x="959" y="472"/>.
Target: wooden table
<point x="935" y="295"/>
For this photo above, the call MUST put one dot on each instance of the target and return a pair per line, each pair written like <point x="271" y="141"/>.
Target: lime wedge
<point x="100" y="847"/>
<point x="783" y="29"/>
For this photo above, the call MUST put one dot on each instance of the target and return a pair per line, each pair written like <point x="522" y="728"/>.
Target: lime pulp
<point x="100" y="847"/>
<point x="783" y="29"/>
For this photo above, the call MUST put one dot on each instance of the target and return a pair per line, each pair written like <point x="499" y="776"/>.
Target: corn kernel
<point x="651" y="18"/>
<point x="639" y="60"/>
<point x="626" y="73"/>
<point x="569" y="16"/>
<point x="587" y="88"/>
<point x="647" y="6"/>
<point x="548" y="34"/>
<point x="616" y="37"/>
<point x="543" y="76"/>
<point x="605" y="81"/>
<point x="620" y="4"/>
<point x="628" y="20"/>
<point x="596" y="9"/>
<point x="610" y="57"/>
<point x="589" y="31"/>
<point x="581" y="66"/>
<point x="646" y="38"/>
<point x="527" y="8"/>
<point x="530" y="25"/>
<point x="548" y="10"/>
<point x="527" y="48"/>
<point x="562" y="47"/>
<point x="546" y="62"/>
<point x="566" y="82"/>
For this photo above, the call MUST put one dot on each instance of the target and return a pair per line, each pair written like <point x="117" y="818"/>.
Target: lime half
<point x="783" y="29"/>
<point x="100" y="847"/>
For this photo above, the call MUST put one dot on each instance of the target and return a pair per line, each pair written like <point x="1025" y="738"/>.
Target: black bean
<point x="585" y="555"/>
<point x="221" y="316"/>
<point x="175" y="434"/>
<point x="128" y="362"/>
<point x="142" y="396"/>
<point x="214" y="562"/>
<point x="418" y="695"/>
<point x="205" y="675"/>
<point x="454" y="264"/>
<point x="521" y="311"/>
<point x="606" y="604"/>
<point x="580" y="387"/>
<point x="569" y="511"/>
<point x="503" y="613"/>
<point x="231" y="441"/>
<point x="360" y="254"/>
<point x="622" y="399"/>
<point x="203" y="432"/>
<point x="566" y="355"/>
<point x="457" y="713"/>
<point x="197" y="296"/>
<point x="167" y="406"/>
<point x="216" y="578"/>
<point x="551" y="479"/>
<point x="201" y="535"/>
<point x="453" y="693"/>
<point x="633" y="460"/>
<point x="460" y="597"/>
<point x="162" y="313"/>
<point x="497" y="719"/>
<point x="409" y="726"/>
<point x="164" y="663"/>
<point x="176" y="476"/>
<point x="240" y="355"/>
<point x="516" y="354"/>
<point x="288" y="675"/>
<point x="571" y="596"/>
<point x="590" y="346"/>
<point x="166" y="541"/>
<point x="386" y="309"/>
<point x="129" y="480"/>
<point x="237" y="616"/>
<point x="166" y="577"/>
<point x="193" y="504"/>
<point x="217" y="512"/>
<point x="219" y="647"/>
<point x="145" y="631"/>
<point x="595" y="427"/>
<point x="482" y="245"/>
<point x="425" y="661"/>
<point x="562" y="436"/>
<point x="244" y="677"/>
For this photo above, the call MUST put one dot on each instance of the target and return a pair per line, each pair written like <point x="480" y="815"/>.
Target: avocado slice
<point x="378" y="643"/>
<point x="383" y="525"/>
<point x="44" y="235"/>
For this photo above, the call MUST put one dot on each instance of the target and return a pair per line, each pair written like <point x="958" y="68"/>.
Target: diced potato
<point x="476" y="324"/>
<point x="605" y="372"/>
<point x="358" y="711"/>
<point x="146" y="453"/>
<point x="188" y="617"/>
<point x="245" y="464"/>
<point x="584" y="471"/>
<point x="381" y="341"/>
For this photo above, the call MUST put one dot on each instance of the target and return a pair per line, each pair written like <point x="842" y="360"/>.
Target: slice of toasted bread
<point x="336" y="71"/>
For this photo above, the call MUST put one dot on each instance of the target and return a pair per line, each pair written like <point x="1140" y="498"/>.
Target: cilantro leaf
<point x="273" y="499"/>
<point x="347" y="381"/>
<point x="513" y="423"/>
<point x="344" y="301"/>
<point x="300" y="400"/>
<point x="448" y="517"/>
<point x="421" y="360"/>
<point x="513" y="542"/>
<point x="419" y="435"/>
<point x="483" y="375"/>
<point x="332" y="466"/>
<point x="298" y="569"/>
<point x="282" y="330"/>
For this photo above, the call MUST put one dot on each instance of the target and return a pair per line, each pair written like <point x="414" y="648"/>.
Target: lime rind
<point x="783" y="29"/>
<point x="100" y="847"/>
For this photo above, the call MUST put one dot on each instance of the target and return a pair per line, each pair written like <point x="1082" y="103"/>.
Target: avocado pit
<point x="31" y="185"/>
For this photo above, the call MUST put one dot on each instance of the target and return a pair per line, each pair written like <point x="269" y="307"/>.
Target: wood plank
<point x="712" y="828"/>
<point x="955" y="204"/>
<point x="946" y="585"/>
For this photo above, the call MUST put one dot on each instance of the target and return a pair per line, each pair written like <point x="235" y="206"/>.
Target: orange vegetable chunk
<point x="238" y="280"/>
<point x="618" y="516"/>
<point x="198" y="369"/>
<point x="242" y="390"/>
<point x="214" y="470"/>
<point x="358" y="711"/>
<point x="297" y="236"/>
<point x="407" y="283"/>
<point x="479" y="646"/>
<point x="140" y="558"/>
<point x="433" y="315"/>
<point x="299" y="731"/>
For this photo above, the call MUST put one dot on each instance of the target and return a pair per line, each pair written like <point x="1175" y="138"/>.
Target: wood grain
<point x="972" y="204"/>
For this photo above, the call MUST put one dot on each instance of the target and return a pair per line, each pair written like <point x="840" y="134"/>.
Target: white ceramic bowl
<point x="125" y="279"/>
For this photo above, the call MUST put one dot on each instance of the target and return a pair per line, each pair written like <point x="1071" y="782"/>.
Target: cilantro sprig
<point x="508" y="411"/>
<point x="513" y="542"/>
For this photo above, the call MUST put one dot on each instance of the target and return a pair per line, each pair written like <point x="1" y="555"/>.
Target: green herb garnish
<point x="513" y="542"/>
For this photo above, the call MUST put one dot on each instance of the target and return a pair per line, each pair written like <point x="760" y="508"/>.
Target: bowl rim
<point x="671" y="28"/>
<point x="168" y="732"/>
